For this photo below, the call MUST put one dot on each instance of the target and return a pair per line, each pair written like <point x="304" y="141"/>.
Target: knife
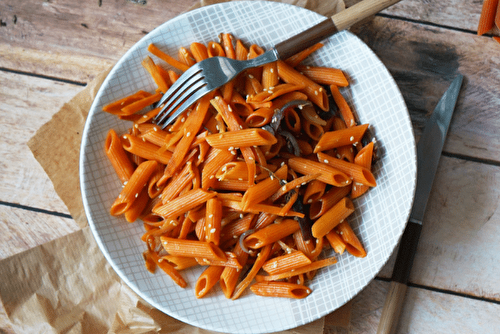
<point x="429" y="150"/>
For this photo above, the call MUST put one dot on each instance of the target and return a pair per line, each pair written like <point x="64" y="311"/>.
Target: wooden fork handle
<point x="330" y="26"/>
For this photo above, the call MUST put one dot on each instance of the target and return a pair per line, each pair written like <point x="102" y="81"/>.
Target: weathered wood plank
<point x="459" y="14"/>
<point x="424" y="60"/>
<point x="27" y="103"/>
<point x="458" y="248"/>
<point x="24" y="229"/>
<point x="75" y="40"/>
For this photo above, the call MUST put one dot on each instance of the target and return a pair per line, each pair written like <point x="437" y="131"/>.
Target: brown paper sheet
<point x="66" y="285"/>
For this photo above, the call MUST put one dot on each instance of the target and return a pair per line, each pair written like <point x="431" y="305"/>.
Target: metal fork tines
<point x="201" y="79"/>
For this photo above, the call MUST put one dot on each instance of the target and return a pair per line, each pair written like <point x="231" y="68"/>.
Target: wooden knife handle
<point x="330" y="26"/>
<point x="392" y="308"/>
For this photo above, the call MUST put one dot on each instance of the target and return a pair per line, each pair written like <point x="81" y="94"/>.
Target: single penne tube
<point x="363" y="158"/>
<point x="329" y="199"/>
<point x="314" y="91"/>
<point x="231" y="261"/>
<point x="214" y="49"/>
<point x="213" y="217"/>
<point x="118" y="156"/>
<point x="169" y="270"/>
<point x="183" y="203"/>
<point x="227" y="41"/>
<point x="286" y="262"/>
<point x="180" y="262"/>
<point x="130" y="192"/>
<point x="334" y="216"/>
<point x="116" y="106"/>
<point x="263" y="189"/>
<point x="241" y="51"/>
<point x="241" y="138"/>
<point x="305" y="246"/>
<point x="264" y="219"/>
<point x="271" y="93"/>
<point x="192" y="248"/>
<point x="199" y="51"/>
<point x="145" y="150"/>
<point x="260" y="117"/>
<point x="186" y="57"/>
<point x="343" y="107"/>
<point x="315" y="265"/>
<point x="262" y="256"/>
<point x="327" y="173"/>
<point x="207" y="280"/>
<point x="280" y="290"/>
<point x="292" y="120"/>
<point x="336" y="241"/>
<point x="229" y="277"/>
<point x="270" y="75"/>
<point x="151" y="67"/>
<point x="337" y="138"/>
<point x="230" y="185"/>
<point x="297" y="58"/>
<point x="271" y="233"/>
<point x="324" y="75"/>
<point x="156" y="136"/>
<point x="237" y="227"/>
<point x="137" y="207"/>
<point x="139" y="105"/>
<point x="353" y="245"/>
<point x="239" y="105"/>
<point x="312" y="129"/>
<point x="294" y="184"/>
<point x="357" y="172"/>
<point x="314" y="191"/>
<point x="167" y="58"/>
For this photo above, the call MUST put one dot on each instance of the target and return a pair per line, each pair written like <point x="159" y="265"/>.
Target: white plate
<point x="380" y="215"/>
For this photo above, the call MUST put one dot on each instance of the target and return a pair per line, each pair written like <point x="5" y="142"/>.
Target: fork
<point x="212" y="73"/>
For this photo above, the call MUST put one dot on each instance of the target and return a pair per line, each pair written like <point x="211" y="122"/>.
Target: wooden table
<point x="50" y="49"/>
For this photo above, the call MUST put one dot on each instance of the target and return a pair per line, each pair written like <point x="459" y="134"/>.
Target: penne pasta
<point x="280" y="289"/>
<point x="357" y="172"/>
<point x="334" y="216"/>
<point x="326" y="173"/>
<point x="241" y="138"/>
<point x="192" y="248"/>
<point x="338" y="138"/>
<point x="118" y="157"/>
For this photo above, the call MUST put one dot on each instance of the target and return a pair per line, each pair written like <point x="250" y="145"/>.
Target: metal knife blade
<point x="429" y="150"/>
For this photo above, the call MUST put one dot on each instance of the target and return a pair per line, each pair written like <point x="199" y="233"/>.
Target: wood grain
<point x="34" y="101"/>
<point x="76" y="40"/>
<point x="424" y="60"/>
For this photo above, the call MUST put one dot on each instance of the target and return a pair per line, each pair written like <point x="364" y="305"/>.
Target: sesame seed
<point x="271" y="70"/>
<point x="352" y="138"/>
<point x="283" y="188"/>
<point x="183" y="119"/>
<point x="210" y="216"/>
<point x="250" y="76"/>
<point x="229" y="108"/>
<point x="309" y="200"/>
<point x="316" y="92"/>
<point x="188" y="134"/>
<point x="326" y="161"/>
<point x="212" y="230"/>
<point x="136" y="195"/>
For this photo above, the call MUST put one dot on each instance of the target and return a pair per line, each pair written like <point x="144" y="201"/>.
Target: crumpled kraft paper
<point x="66" y="285"/>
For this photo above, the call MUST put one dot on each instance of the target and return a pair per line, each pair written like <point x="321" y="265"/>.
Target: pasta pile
<point x="252" y="182"/>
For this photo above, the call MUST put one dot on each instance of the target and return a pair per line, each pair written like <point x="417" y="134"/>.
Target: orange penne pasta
<point x="314" y="191"/>
<point x="138" y="206"/>
<point x="116" y="107"/>
<point x="186" y="57"/>
<point x="227" y="44"/>
<point x="338" y="138"/>
<point x="327" y="173"/>
<point x="241" y="52"/>
<point x="215" y="160"/>
<point x="241" y="138"/>
<point x="300" y="56"/>
<point x="268" y="94"/>
<point x="336" y="241"/>
<point x="214" y="49"/>
<point x="271" y="233"/>
<point x="324" y="75"/>
<point x="357" y="172"/>
<point x="262" y="256"/>
<point x="344" y="109"/>
<point x="270" y="75"/>
<point x="143" y="149"/>
<point x="199" y="51"/>
<point x="229" y="277"/>
<point x="118" y="157"/>
<point x="183" y="203"/>
<point x="231" y="261"/>
<point x="315" y="265"/>
<point x="168" y="59"/>
<point x="329" y="199"/>
<point x="259" y="117"/>
<point x="133" y="188"/>
<point x="314" y="92"/>
<point x="264" y="189"/>
<point x="213" y="220"/>
<point x="158" y="78"/>
<point x="207" y="280"/>
<point x="192" y="248"/>
<point x="487" y="17"/>
<point x="280" y="289"/>
<point x="287" y="262"/>
<point x="353" y="245"/>
<point x="363" y="158"/>
<point x="169" y="270"/>
<point x="334" y="216"/>
<point x="180" y="262"/>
